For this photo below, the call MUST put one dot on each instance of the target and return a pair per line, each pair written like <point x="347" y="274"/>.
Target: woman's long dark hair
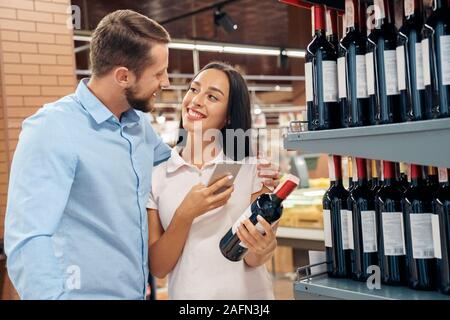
<point x="238" y="114"/>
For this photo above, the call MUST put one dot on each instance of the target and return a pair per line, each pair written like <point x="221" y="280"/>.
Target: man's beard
<point x="144" y="105"/>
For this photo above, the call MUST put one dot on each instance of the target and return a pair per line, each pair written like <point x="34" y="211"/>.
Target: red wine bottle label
<point x="390" y="64"/>
<point x="329" y="85"/>
<point x="361" y="77"/>
<point x="370" y="69"/>
<point x="342" y="88"/>
<point x="436" y="236"/>
<point x="419" y="67"/>
<point x="327" y="228"/>
<point x="349" y="14"/>
<point x="347" y="241"/>
<point x="409" y="8"/>
<point x="443" y="175"/>
<point x="422" y="235"/>
<point x="351" y="244"/>
<point x="380" y="12"/>
<point x="369" y="231"/>
<point x="393" y="234"/>
<point x="309" y="81"/>
<point x="401" y="68"/>
<point x="426" y="62"/>
<point x="445" y="59"/>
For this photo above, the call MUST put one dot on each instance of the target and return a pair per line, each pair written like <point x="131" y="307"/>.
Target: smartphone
<point x="223" y="170"/>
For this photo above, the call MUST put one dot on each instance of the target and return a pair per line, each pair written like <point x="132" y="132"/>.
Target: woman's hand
<point x="260" y="246"/>
<point x="202" y="199"/>
<point x="269" y="172"/>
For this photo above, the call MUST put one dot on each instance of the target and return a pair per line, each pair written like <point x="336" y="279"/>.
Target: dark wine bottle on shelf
<point x="410" y="63"/>
<point x="403" y="175"/>
<point x="382" y="54"/>
<point x="364" y="253"/>
<point x="441" y="208"/>
<point x="269" y="206"/>
<point x="335" y="217"/>
<point x="390" y="221"/>
<point x="354" y="47"/>
<point x="420" y="251"/>
<point x="436" y="60"/>
<point x="342" y="82"/>
<point x="321" y="77"/>
<point x="373" y="112"/>
<point x="332" y="29"/>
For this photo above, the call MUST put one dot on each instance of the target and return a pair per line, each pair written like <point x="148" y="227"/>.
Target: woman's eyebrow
<point x="210" y="88"/>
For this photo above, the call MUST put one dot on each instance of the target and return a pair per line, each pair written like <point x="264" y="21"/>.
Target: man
<point x="76" y="221"/>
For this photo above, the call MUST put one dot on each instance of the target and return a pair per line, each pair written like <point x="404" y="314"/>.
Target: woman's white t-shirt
<point x="202" y="272"/>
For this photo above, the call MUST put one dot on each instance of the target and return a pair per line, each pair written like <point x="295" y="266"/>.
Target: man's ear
<point x="123" y="77"/>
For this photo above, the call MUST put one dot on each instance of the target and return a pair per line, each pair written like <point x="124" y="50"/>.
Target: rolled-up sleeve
<point x="42" y="173"/>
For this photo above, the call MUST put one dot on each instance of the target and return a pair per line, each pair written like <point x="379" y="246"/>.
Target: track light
<point x="224" y="20"/>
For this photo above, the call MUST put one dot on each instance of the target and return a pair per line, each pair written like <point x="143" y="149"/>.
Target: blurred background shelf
<point x="327" y="288"/>
<point x="422" y="142"/>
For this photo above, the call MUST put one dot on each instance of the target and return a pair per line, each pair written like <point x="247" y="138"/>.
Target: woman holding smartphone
<point x="187" y="218"/>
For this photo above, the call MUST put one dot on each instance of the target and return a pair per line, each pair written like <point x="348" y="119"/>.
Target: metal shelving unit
<point x="324" y="287"/>
<point x="423" y="142"/>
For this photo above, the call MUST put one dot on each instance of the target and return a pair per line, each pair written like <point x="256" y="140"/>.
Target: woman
<point x="187" y="219"/>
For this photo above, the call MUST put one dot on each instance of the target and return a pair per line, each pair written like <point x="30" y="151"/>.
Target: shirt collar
<point x="176" y="161"/>
<point x="97" y="109"/>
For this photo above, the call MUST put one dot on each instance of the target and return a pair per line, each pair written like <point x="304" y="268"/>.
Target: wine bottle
<point x="410" y="64"/>
<point x="418" y="214"/>
<point x="364" y="253"/>
<point x="390" y="221"/>
<point x="321" y="77"/>
<point x="403" y="175"/>
<point x="436" y="60"/>
<point x="372" y="89"/>
<point x="382" y="49"/>
<point x="354" y="46"/>
<point x="441" y="208"/>
<point x="335" y="217"/>
<point x="268" y="206"/>
<point x="342" y="82"/>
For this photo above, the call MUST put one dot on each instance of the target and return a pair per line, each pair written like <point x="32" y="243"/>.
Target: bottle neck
<point x="331" y="22"/>
<point x="389" y="173"/>
<point x="384" y="12"/>
<point x="416" y="175"/>
<point x="439" y="4"/>
<point x="318" y="20"/>
<point x="413" y="10"/>
<point x="355" y="16"/>
<point x="335" y="170"/>
<point x="361" y="168"/>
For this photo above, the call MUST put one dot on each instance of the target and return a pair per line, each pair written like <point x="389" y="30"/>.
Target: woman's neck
<point x="198" y="152"/>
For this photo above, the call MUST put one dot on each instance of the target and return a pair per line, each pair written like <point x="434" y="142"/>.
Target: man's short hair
<point x="125" y="38"/>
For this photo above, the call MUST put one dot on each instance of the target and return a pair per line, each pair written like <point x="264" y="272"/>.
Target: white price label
<point x="327" y="228"/>
<point x="361" y="77"/>
<point x="445" y="59"/>
<point x="422" y="235"/>
<point x="369" y="231"/>
<point x="370" y="69"/>
<point x="401" y="68"/>
<point x="393" y="233"/>
<point x="309" y="81"/>
<point x="342" y="84"/>
<point x="436" y="236"/>
<point x="390" y="64"/>
<point x="329" y="85"/>
<point x="426" y="62"/>
<point x="419" y="67"/>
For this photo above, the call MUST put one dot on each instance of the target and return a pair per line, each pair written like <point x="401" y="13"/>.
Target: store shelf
<point x="300" y="233"/>
<point x="324" y="287"/>
<point x="422" y="142"/>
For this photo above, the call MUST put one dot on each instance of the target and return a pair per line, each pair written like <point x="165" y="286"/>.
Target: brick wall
<point x="37" y="66"/>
